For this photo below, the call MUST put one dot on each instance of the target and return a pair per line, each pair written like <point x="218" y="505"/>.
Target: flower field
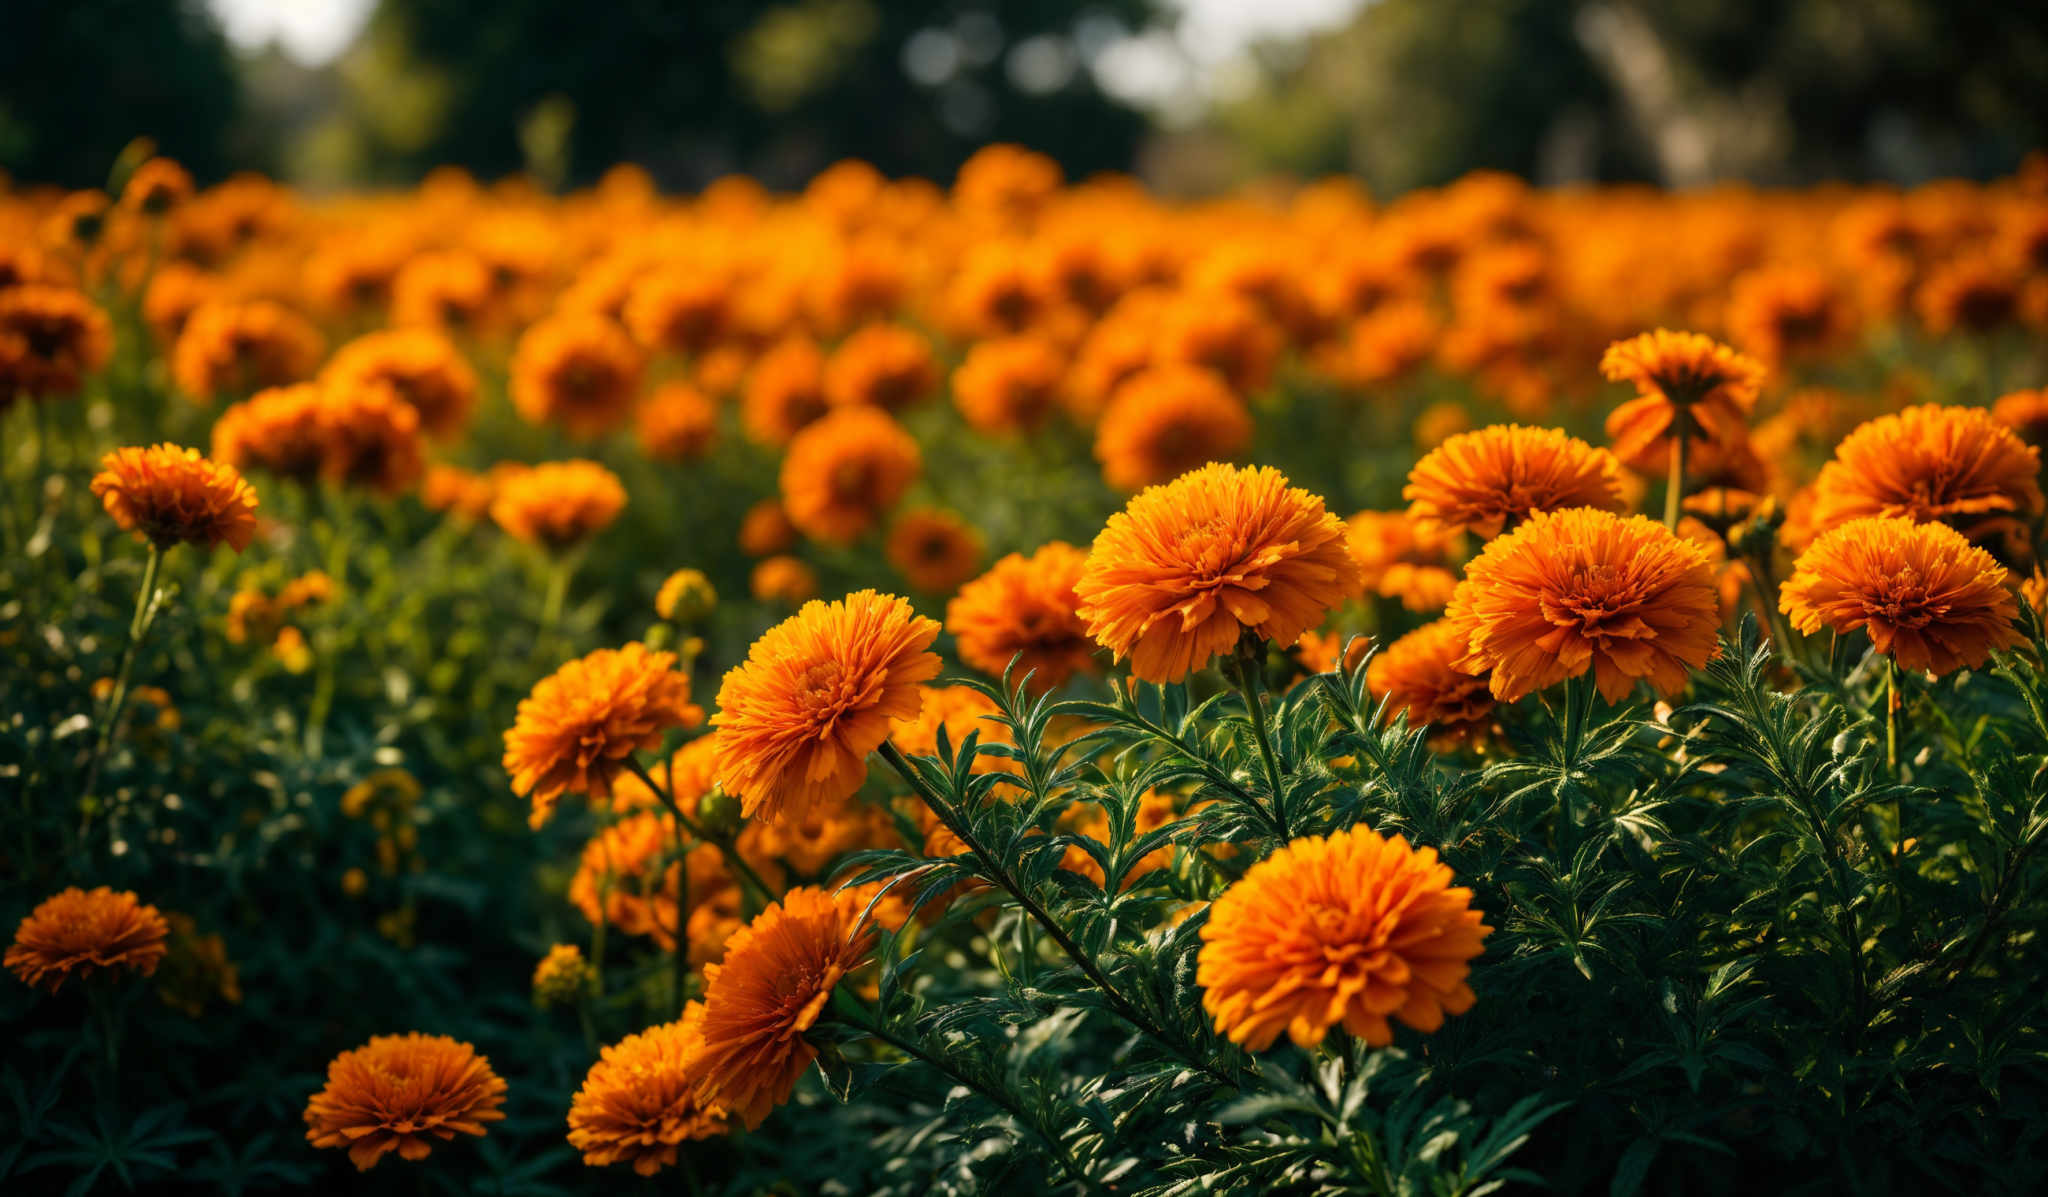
<point x="1022" y="686"/>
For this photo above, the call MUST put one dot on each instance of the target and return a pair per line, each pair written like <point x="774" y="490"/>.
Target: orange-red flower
<point x="168" y="495"/>
<point x="1683" y="381"/>
<point x="1783" y="313"/>
<point x="156" y="187"/>
<point x="677" y="423"/>
<point x="581" y="725"/>
<point x="782" y="579"/>
<point x="557" y="504"/>
<point x="1188" y="568"/>
<point x="935" y="551"/>
<point x="453" y="489"/>
<point x="51" y="339"/>
<point x="883" y="365"/>
<point x="1928" y="597"/>
<point x="766" y="530"/>
<point x="1349" y="929"/>
<point x="394" y="1092"/>
<point x="785" y="392"/>
<point x="1398" y="558"/>
<point x="777" y="975"/>
<point x="577" y="370"/>
<point x="1958" y="465"/>
<point x="1009" y="386"/>
<point x="451" y="291"/>
<point x="2026" y="413"/>
<point x="816" y="695"/>
<point x="1165" y="421"/>
<point x="639" y="1101"/>
<point x="1490" y="480"/>
<point x="373" y="438"/>
<point x="1420" y="676"/>
<point x="1585" y="589"/>
<point x="843" y="472"/>
<point x="681" y="311"/>
<point x="421" y="365"/>
<point x="78" y="932"/>
<point x="239" y="348"/>
<point x="1025" y="608"/>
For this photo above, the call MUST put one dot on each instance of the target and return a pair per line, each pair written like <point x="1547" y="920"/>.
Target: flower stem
<point x="1248" y="662"/>
<point x="117" y="698"/>
<point x="558" y="591"/>
<point x="1674" y="490"/>
<point x="1891" y="715"/>
<point x="727" y="845"/>
<point x="1122" y="1006"/>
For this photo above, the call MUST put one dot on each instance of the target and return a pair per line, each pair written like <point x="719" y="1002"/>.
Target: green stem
<point x="1891" y="716"/>
<point x="1001" y="1100"/>
<point x="1122" y="1006"/>
<point x="558" y="591"/>
<point x="1248" y="661"/>
<point x="117" y="698"/>
<point x="1674" y="490"/>
<point x="728" y="846"/>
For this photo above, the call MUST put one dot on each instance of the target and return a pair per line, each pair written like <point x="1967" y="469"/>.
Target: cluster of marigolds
<point x="338" y="344"/>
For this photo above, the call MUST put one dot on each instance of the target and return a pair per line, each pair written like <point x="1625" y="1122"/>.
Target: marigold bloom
<point x="1976" y="294"/>
<point x="960" y="710"/>
<point x="239" y="348"/>
<point x="1398" y="558"/>
<point x="1026" y="608"/>
<point x="1585" y="589"/>
<point x="935" y="551"/>
<point x="686" y="596"/>
<point x="1928" y="597"/>
<point x="680" y="311"/>
<point x="451" y="291"/>
<point x="373" y="438"/>
<point x="557" y="504"/>
<point x="639" y="1101"/>
<point x="1419" y="674"/>
<point x="283" y="431"/>
<point x="581" y="725"/>
<point x="816" y="695"/>
<point x="396" y="1090"/>
<point x="677" y="423"/>
<point x="1188" y="568"/>
<point x="77" y="932"/>
<point x="157" y="186"/>
<point x="1783" y="313"/>
<point x="765" y="530"/>
<point x="1957" y="465"/>
<point x="883" y="365"/>
<point x="785" y="392"/>
<point x="2026" y="413"/>
<point x="169" y="495"/>
<point x="562" y="977"/>
<point x="1165" y="421"/>
<point x="460" y="492"/>
<point x="1350" y="929"/>
<point x="844" y="471"/>
<point x="1682" y="380"/>
<point x="51" y="339"/>
<point x="177" y="290"/>
<point x="1009" y="386"/>
<point x="782" y="579"/>
<point x="578" y="370"/>
<point x="421" y="365"/>
<point x="778" y="973"/>
<point x="1226" y="334"/>
<point x="1492" y="479"/>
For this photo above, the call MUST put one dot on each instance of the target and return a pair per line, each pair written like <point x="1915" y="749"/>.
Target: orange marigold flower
<point x="169" y="495"/>
<point x="883" y="365"/>
<point x="2026" y="413"/>
<point x="1419" y="674"/>
<point x="782" y="579"/>
<point x="1787" y="312"/>
<point x="778" y="973"/>
<point x="1975" y="293"/>
<point x="1188" y="568"/>
<point x="960" y="710"/>
<point x="51" y="339"/>
<point x="582" y="724"/>
<point x="1586" y="589"/>
<point x="1399" y="558"/>
<point x="640" y="1101"/>
<point x="557" y="504"/>
<point x="421" y="365"/>
<point x="157" y="186"/>
<point x="1026" y="609"/>
<point x="1957" y="465"/>
<point x="766" y="530"/>
<point x="281" y="430"/>
<point x="816" y="695"/>
<point x="1349" y="928"/>
<point x="1327" y="652"/>
<point x="239" y="348"/>
<point x="677" y="423"/>
<point x="373" y="438"/>
<point x="935" y="551"/>
<point x="458" y="491"/>
<point x="785" y="392"/>
<point x="77" y="932"/>
<point x="844" y="471"/>
<point x="1226" y="334"/>
<point x="396" y="1090"/>
<point x="1928" y="597"/>
<point x="1683" y="381"/>
<point x="681" y="311"/>
<point x="177" y="290"/>
<point x="1491" y="480"/>
<point x="1009" y="386"/>
<point x="578" y="370"/>
<point x="1165" y="421"/>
